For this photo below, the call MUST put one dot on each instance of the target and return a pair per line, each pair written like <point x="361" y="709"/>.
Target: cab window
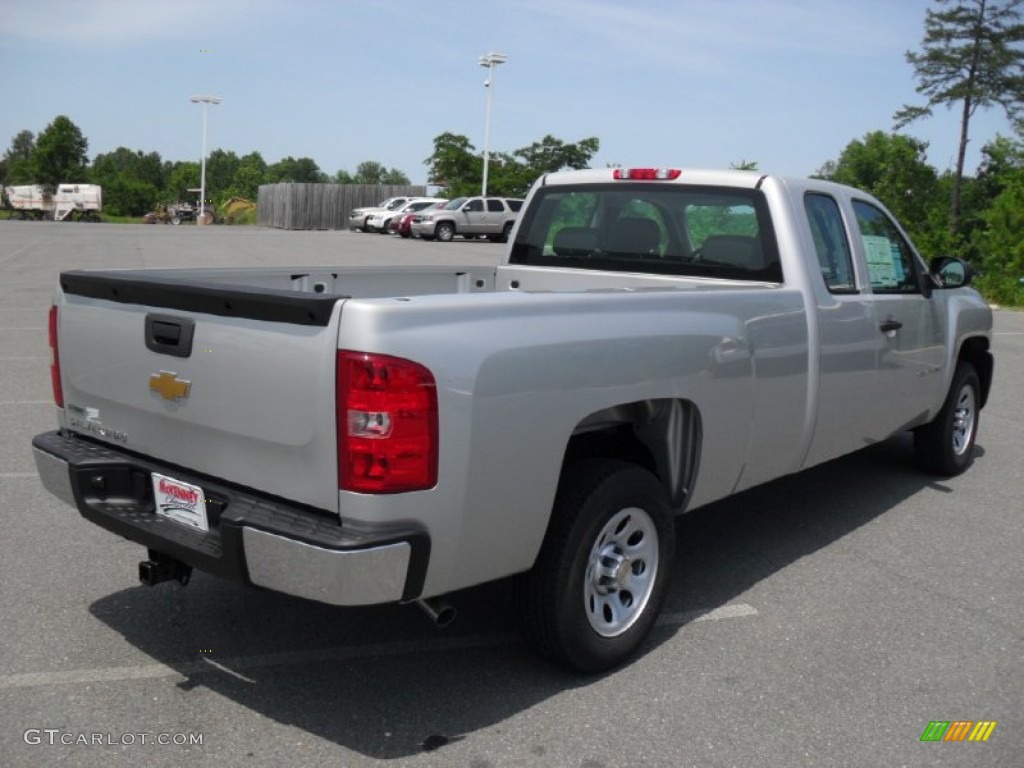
<point x="830" y="242"/>
<point x="890" y="259"/>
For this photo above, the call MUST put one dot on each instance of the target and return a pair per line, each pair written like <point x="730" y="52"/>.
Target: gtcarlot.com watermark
<point x="54" y="736"/>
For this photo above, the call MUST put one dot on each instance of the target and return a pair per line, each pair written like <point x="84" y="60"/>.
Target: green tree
<point x="550" y="154"/>
<point x="454" y="165"/>
<point x="302" y="170"/>
<point x="17" y="160"/>
<point x="892" y="167"/>
<point x="971" y="56"/>
<point x="127" y="165"/>
<point x="370" y="172"/>
<point x="744" y="165"/>
<point x="60" y="154"/>
<point x="182" y="177"/>
<point x="395" y="177"/>
<point x="1002" y="243"/>
<point x="125" y="196"/>
<point x="252" y="169"/>
<point x="221" y="167"/>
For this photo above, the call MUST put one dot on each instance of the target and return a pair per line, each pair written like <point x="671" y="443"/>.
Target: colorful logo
<point x="958" y="730"/>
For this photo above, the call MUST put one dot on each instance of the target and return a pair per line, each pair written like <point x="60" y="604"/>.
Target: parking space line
<point x="234" y="665"/>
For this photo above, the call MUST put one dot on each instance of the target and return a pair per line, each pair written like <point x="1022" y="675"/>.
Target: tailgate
<point x="228" y="381"/>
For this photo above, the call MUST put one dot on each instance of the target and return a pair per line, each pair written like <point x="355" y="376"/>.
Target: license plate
<point x="181" y="502"/>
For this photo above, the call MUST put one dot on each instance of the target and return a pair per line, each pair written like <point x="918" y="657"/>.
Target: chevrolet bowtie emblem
<point x="169" y="386"/>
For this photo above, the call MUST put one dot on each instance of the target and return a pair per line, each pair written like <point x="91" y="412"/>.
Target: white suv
<point x="379" y="220"/>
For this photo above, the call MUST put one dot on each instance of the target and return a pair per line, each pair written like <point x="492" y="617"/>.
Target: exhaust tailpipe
<point x="440" y="612"/>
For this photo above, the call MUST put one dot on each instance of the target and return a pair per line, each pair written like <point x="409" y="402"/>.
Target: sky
<point x="665" y="83"/>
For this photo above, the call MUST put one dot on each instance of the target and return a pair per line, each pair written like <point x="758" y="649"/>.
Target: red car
<point x="402" y="224"/>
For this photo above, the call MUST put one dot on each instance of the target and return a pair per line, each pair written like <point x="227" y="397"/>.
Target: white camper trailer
<point x="34" y="201"/>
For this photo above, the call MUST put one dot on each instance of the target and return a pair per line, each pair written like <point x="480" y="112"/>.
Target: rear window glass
<point x="653" y="228"/>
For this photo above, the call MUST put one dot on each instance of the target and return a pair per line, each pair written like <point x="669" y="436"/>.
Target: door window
<point x="495" y="206"/>
<point x="890" y="259"/>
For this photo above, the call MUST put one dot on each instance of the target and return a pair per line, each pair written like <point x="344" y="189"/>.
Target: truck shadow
<point x="383" y="682"/>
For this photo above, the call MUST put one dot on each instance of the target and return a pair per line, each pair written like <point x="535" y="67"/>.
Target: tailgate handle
<point x="169" y="335"/>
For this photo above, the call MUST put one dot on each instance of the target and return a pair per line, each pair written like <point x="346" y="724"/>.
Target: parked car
<point x="358" y="218"/>
<point x="470" y="217"/>
<point x="402" y="224"/>
<point x="379" y="220"/>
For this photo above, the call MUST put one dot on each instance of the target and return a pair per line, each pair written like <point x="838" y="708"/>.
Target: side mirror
<point x="950" y="272"/>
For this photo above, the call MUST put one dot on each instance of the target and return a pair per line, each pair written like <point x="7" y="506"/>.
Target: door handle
<point x="890" y="325"/>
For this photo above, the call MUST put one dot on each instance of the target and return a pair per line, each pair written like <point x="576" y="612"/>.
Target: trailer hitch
<point x="161" y="567"/>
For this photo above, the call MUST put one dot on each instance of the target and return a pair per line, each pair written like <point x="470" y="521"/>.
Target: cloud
<point x="697" y="34"/>
<point x="124" y="22"/>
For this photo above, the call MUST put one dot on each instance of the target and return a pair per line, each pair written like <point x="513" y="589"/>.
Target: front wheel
<point x="600" y="578"/>
<point x="445" y="231"/>
<point x="945" y="445"/>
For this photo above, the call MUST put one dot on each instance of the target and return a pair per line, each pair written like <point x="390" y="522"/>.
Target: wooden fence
<point x="322" y="206"/>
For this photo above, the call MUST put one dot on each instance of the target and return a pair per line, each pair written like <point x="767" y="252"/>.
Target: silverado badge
<point x="169" y="386"/>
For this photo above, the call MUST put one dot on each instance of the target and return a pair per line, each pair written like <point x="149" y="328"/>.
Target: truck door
<point x="494" y="218"/>
<point x="473" y="217"/>
<point x="912" y="326"/>
<point x="848" y="337"/>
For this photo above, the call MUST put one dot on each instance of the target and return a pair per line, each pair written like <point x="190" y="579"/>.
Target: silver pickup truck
<point x="654" y="340"/>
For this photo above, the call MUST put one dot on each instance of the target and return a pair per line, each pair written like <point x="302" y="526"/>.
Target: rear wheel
<point x="600" y="578"/>
<point x="945" y="446"/>
<point x="445" y="231"/>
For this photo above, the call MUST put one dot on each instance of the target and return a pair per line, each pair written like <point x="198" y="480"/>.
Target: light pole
<point x="490" y="61"/>
<point x="205" y="101"/>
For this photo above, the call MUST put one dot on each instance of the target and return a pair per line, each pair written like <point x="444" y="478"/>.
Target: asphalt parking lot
<point x="823" y="619"/>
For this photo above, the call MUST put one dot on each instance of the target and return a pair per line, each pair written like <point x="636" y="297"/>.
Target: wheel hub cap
<point x="621" y="572"/>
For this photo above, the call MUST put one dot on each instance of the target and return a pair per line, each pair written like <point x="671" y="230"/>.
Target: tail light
<point x="646" y="174"/>
<point x="58" y="390"/>
<point x="387" y="424"/>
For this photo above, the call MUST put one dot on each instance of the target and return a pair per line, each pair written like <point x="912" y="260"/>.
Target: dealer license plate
<point x="181" y="502"/>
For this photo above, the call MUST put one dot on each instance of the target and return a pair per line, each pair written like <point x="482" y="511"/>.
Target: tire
<point x="444" y="231"/>
<point x="600" y="578"/>
<point x="384" y="229"/>
<point x="176" y="220"/>
<point x="945" y="446"/>
<point x="405" y="235"/>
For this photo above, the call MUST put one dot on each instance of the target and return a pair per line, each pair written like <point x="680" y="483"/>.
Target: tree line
<point x="135" y="182"/>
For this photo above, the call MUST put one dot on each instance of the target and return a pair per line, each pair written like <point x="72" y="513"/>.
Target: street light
<point x="205" y="101"/>
<point x="490" y="61"/>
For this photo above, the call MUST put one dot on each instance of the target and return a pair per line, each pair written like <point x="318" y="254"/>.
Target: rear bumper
<point x="253" y="538"/>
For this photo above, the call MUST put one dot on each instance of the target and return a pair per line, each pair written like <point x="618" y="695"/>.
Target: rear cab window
<point x="720" y="232"/>
<point x="830" y="242"/>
